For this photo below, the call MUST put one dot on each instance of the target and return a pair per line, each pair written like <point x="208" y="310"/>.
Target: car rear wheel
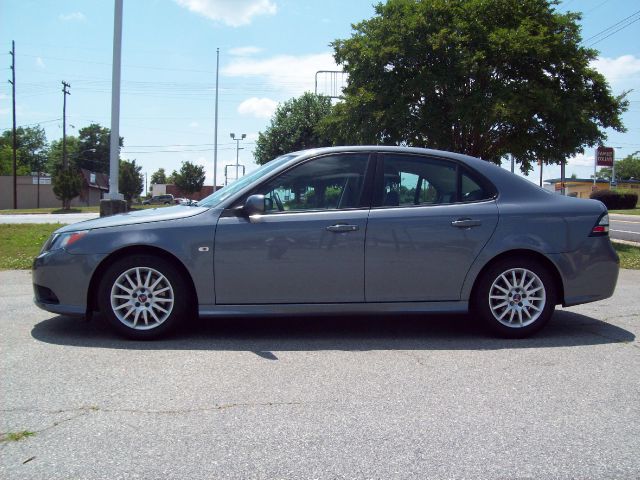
<point x="515" y="297"/>
<point x="143" y="297"/>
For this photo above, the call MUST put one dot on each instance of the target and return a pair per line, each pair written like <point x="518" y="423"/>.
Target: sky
<point x="270" y="51"/>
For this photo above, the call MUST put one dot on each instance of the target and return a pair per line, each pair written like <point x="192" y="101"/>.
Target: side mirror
<point x="254" y="205"/>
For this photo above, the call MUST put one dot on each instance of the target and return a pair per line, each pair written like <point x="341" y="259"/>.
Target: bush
<point x="616" y="200"/>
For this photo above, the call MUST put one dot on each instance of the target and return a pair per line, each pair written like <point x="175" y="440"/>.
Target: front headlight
<point x="62" y="240"/>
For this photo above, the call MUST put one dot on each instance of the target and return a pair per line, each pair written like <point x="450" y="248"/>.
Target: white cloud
<point x="72" y="17"/>
<point x="258" y="107"/>
<point x="582" y="160"/>
<point x="234" y="13"/>
<point x="194" y="124"/>
<point x="244" y="51"/>
<point x="621" y="72"/>
<point x="40" y="62"/>
<point x="292" y="74"/>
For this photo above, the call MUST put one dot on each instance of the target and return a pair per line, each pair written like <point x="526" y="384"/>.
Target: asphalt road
<point x="327" y="398"/>
<point x="625" y="227"/>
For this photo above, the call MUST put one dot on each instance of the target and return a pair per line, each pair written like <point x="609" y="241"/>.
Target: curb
<point x="625" y="242"/>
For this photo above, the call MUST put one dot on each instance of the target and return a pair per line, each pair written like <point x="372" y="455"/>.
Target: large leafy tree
<point x="190" y="178"/>
<point x="482" y="77"/>
<point x="31" y="153"/>
<point x="54" y="160"/>
<point x="295" y="125"/>
<point x="130" y="181"/>
<point x="159" y="177"/>
<point x="93" y="148"/>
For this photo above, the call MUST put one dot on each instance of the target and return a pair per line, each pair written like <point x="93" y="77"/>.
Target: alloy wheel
<point x="142" y="298"/>
<point x="517" y="297"/>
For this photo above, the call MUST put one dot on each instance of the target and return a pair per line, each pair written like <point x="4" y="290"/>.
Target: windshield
<point x="231" y="189"/>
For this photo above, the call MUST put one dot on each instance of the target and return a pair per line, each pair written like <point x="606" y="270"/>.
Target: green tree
<point x="481" y="77"/>
<point x="54" y="155"/>
<point x="66" y="186"/>
<point x="130" y="180"/>
<point x="31" y="153"/>
<point x="159" y="177"/>
<point x="626" y="169"/>
<point x="94" y="143"/>
<point x="295" y="125"/>
<point x="190" y="179"/>
<point x="171" y="179"/>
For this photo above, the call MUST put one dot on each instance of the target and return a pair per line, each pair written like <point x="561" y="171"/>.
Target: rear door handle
<point x="342" y="228"/>
<point x="466" y="223"/>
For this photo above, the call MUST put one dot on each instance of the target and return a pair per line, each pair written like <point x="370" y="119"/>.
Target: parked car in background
<point x="184" y="201"/>
<point x="372" y="230"/>
<point x="160" y="200"/>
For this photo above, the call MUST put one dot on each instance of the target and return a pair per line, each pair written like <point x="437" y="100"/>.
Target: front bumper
<point x="61" y="281"/>
<point x="590" y="273"/>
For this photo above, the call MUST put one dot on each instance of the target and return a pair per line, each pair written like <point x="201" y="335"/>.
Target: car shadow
<point x="263" y="336"/>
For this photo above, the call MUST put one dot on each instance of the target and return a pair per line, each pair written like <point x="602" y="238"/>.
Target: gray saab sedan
<point x="339" y="231"/>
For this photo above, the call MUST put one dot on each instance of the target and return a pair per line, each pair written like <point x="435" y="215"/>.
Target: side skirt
<point x="332" y="308"/>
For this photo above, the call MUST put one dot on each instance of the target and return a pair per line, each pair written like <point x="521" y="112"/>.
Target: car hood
<point x="139" y="216"/>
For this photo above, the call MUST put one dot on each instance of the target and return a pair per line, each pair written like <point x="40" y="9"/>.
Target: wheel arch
<point x="92" y="296"/>
<point x="529" y="255"/>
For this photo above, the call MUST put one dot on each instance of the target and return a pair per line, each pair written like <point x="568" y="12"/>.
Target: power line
<point x="621" y="28"/>
<point x="34" y="123"/>
<point x="608" y="29"/>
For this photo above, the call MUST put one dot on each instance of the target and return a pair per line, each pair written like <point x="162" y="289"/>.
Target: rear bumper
<point x="590" y="273"/>
<point x="61" y="281"/>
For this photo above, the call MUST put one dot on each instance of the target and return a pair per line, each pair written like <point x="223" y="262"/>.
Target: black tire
<point x="524" y="313"/>
<point x="176" y="300"/>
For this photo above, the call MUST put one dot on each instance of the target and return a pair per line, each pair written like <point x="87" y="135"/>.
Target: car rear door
<point x="430" y="220"/>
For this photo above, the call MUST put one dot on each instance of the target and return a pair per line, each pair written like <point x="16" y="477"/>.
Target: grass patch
<point x="629" y="255"/>
<point x="632" y="211"/>
<point x="21" y="243"/>
<point x="16" y="436"/>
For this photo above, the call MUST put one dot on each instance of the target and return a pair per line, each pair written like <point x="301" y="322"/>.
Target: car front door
<point x="430" y="220"/>
<point x="308" y="246"/>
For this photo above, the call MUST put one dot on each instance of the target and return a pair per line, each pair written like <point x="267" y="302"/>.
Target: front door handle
<point x="466" y="223"/>
<point x="340" y="227"/>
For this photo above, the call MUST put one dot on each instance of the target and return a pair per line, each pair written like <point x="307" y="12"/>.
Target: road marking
<point x="625" y="231"/>
<point x="623" y="221"/>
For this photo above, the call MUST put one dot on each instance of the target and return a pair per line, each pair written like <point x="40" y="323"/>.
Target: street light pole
<point x="215" y="131"/>
<point x="242" y="137"/>
<point x="114" y="147"/>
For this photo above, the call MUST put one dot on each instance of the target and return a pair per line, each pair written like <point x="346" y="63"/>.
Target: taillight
<point x="602" y="227"/>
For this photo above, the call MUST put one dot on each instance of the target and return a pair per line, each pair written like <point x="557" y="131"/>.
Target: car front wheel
<point x="515" y="298"/>
<point x="143" y="297"/>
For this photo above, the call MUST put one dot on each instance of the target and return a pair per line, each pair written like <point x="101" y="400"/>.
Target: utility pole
<point x="215" y="132"/>
<point x="513" y="164"/>
<point x="15" y="138"/>
<point x="242" y="137"/>
<point x="65" y="92"/>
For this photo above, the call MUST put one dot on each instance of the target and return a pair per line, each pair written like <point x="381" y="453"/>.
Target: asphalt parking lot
<point x="384" y="397"/>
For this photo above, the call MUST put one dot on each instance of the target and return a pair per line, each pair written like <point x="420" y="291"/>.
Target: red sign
<point x="604" y="156"/>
